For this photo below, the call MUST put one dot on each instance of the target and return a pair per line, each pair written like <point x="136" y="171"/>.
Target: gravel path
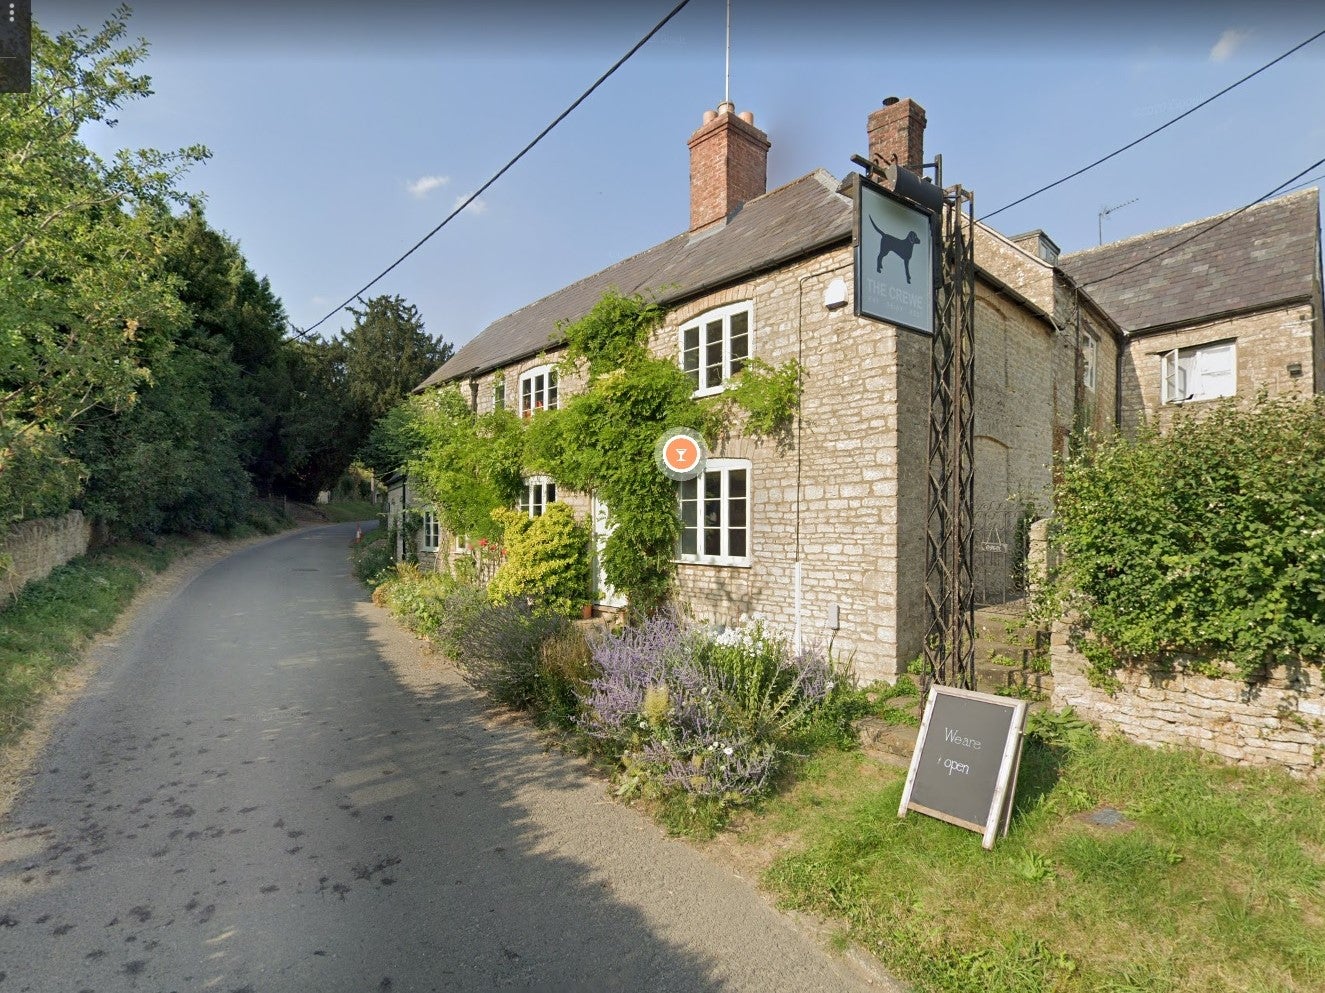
<point x="267" y="786"/>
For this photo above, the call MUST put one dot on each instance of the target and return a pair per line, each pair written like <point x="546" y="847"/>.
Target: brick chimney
<point x="898" y="129"/>
<point x="728" y="165"/>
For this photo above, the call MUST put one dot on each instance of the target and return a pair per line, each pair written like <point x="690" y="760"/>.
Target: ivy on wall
<point x="600" y="441"/>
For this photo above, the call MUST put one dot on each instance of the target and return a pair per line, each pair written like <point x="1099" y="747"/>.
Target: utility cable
<point x="1157" y="130"/>
<point x="502" y="171"/>
<point x="1204" y="230"/>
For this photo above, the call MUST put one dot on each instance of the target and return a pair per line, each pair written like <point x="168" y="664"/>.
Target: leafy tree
<point x="80" y="260"/>
<point x="387" y="353"/>
<point x="178" y="458"/>
<point x="316" y="434"/>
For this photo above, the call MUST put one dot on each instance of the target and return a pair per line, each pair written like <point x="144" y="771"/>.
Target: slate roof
<point x="790" y="222"/>
<point x="1266" y="255"/>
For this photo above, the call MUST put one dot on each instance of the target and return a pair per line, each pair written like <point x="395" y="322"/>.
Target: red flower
<point x="483" y="543"/>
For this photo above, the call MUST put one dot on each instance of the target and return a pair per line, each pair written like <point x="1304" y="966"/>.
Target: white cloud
<point x="477" y="207"/>
<point x="424" y="185"/>
<point x="1227" y="44"/>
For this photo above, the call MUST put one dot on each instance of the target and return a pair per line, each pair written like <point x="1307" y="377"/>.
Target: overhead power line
<point x="1151" y="134"/>
<point x="1205" y="230"/>
<point x="500" y="172"/>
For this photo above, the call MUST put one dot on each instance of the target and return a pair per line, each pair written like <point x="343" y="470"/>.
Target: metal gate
<point x="998" y="565"/>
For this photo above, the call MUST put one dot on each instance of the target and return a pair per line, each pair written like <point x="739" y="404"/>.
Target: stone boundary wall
<point x="33" y="549"/>
<point x="1277" y="720"/>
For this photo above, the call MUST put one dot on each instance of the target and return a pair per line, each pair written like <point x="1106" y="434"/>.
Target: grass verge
<point x="1214" y="881"/>
<point x="350" y="510"/>
<point x="51" y="621"/>
<point x="43" y="630"/>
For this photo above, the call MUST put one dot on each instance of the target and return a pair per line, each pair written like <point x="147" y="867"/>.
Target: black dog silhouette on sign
<point x="902" y="247"/>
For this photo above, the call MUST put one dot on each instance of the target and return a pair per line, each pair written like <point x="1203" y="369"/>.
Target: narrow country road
<point x="247" y="798"/>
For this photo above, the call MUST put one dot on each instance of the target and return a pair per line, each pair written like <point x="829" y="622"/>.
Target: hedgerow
<point x="1206" y="542"/>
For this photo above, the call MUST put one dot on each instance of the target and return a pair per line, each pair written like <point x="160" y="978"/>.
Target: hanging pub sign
<point x="894" y="248"/>
<point x="964" y="769"/>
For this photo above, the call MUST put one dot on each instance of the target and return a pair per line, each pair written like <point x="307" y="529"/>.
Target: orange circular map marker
<point x="681" y="454"/>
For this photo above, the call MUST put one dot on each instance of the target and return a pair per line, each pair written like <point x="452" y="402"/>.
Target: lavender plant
<point x="687" y="711"/>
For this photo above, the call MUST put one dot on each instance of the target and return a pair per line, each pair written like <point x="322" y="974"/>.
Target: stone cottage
<point x="825" y="538"/>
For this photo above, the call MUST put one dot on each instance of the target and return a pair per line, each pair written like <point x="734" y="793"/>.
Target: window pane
<point x="552" y="389"/>
<point x="690" y="353"/>
<point x="740" y="341"/>
<point x="736" y="543"/>
<point x="713" y="353"/>
<point x="499" y="395"/>
<point x="526" y="396"/>
<point x="712" y="541"/>
<point x="551" y="492"/>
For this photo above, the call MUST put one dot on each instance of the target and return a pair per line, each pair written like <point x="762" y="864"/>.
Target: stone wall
<point x="1267" y="343"/>
<point x="843" y="505"/>
<point x="1278" y="720"/>
<point x="34" y="549"/>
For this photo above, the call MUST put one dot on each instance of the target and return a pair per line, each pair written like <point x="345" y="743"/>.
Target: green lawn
<point x="350" y="510"/>
<point x="1215" y="880"/>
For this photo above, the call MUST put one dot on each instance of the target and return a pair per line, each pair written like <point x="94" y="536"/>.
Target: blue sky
<point x="343" y="132"/>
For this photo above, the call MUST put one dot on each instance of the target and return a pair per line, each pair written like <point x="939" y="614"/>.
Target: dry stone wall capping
<point x="34" y="549"/>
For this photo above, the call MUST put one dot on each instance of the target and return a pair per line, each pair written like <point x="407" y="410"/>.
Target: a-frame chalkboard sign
<point x="964" y="770"/>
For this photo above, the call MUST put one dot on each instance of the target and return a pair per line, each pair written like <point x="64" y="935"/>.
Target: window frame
<point x="723" y="468"/>
<point x="499" y="393"/>
<point x="701" y="325"/>
<point x="1178" y="367"/>
<point x="550" y="389"/>
<point x="431" y="532"/>
<point x="1090" y="357"/>
<point x="543" y="486"/>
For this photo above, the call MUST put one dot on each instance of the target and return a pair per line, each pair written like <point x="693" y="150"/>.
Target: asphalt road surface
<point x="247" y="798"/>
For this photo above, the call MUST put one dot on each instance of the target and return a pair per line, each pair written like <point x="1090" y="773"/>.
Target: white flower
<point x="727" y="750"/>
<point x="828" y="686"/>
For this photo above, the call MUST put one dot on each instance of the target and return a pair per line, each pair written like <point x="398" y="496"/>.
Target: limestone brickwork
<point x="844" y="503"/>
<point x="1278" y="720"/>
<point x="34" y="549"/>
<point x="1267" y="343"/>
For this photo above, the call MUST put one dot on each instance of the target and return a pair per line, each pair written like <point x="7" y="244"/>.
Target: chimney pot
<point x="710" y="115"/>
<point x="747" y="116"/>
<point x="889" y="101"/>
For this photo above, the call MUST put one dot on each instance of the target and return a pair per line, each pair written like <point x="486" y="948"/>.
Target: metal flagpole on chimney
<point x="727" y="85"/>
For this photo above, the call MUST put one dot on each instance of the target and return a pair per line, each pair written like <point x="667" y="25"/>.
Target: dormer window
<point x="538" y="390"/>
<point x="715" y="346"/>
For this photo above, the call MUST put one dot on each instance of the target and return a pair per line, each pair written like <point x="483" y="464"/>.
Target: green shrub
<point x="373" y="557"/>
<point x="456" y="613"/>
<point x="1206" y="541"/>
<point x="498" y="651"/>
<point x="418" y="598"/>
<point x="547" y="560"/>
<point x="565" y="667"/>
